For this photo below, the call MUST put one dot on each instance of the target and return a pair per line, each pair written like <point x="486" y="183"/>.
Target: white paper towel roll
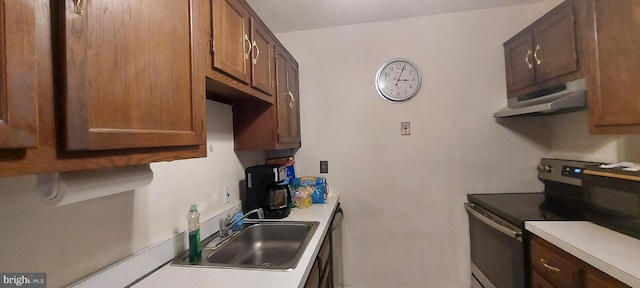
<point x="64" y="188"/>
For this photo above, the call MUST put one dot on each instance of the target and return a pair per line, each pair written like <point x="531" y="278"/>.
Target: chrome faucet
<point x="225" y="225"/>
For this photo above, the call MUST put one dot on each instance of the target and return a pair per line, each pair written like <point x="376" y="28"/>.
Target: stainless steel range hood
<point x="562" y="98"/>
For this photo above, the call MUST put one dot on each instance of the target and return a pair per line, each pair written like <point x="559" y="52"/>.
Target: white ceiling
<point x="293" y="15"/>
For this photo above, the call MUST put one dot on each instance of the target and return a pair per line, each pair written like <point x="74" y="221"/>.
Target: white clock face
<point x="398" y="80"/>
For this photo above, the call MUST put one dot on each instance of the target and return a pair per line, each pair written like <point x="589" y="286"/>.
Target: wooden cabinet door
<point x="519" y="62"/>
<point x="288" y="99"/>
<point x="554" y="46"/>
<point x="129" y="75"/>
<point x="294" y="107"/>
<point x="232" y="45"/>
<point x="18" y="100"/>
<point x="263" y="60"/>
<point x="613" y="86"/>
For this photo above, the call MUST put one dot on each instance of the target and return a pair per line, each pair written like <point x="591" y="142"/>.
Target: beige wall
<point x="405" y="225"/>
<point x="571" y="140"/>
<point x="70" y="242"/>
<point x="403" y="195"/>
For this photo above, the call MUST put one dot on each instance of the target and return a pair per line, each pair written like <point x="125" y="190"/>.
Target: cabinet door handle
<point x="544" y="263"/>
<point x="526" y="59"/>
<point x="78" y="7"/>
<point x="255" y="60"/>
<point x="535" y="55"/>
<point x="246" y="55"/>
<point x="293" y="100"/>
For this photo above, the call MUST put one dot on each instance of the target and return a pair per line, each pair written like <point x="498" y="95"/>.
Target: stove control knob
<point x="541" y="168"/>
<point x="548" y="169"/>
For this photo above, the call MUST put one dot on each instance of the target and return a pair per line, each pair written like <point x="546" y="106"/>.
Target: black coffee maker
<point x="266" y="188"/>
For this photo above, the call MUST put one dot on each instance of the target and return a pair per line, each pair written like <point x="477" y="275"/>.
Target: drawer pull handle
<point x="255" y="60"/>
<point x="248" y="51"/>
<point x="292" y="100"/>
<point x="526" y="59"/>
<point x="78" y="7"/>
<point x="544" y="263"/>
<point x="535" y="55"/>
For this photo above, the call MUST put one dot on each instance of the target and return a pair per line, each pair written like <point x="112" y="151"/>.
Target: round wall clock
<point x="398" y="80"/>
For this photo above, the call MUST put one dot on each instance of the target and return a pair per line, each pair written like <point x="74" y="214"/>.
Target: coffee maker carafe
<point x="266" y="188"/>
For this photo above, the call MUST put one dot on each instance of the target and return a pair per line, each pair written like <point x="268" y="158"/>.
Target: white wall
<point x="571" y="140"/>
<point x="405" y="225"/>
<point x="73" y="241"/>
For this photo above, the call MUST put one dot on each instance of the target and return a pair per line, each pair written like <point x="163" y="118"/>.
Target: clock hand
<point x="405" y="65"/>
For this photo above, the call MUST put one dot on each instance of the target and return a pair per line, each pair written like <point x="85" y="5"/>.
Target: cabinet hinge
<point x="213" y="46"/>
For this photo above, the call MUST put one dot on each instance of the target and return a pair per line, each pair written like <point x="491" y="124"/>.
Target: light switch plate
<point x="225" y="193"/>
<point x="405" y="128"/>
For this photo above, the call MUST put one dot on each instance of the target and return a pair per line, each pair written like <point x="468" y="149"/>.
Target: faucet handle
<point x="260" y="213"/>
<point x="222" y="223"/>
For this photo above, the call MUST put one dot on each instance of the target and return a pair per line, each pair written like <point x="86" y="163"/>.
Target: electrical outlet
<point x="226" y="194"/>
<point x="405" y="128"/>
<point x="210" y="148"/>
<point x="324" y="166"/>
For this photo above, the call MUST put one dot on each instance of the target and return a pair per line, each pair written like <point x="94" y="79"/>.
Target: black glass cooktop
<point x="519" y="207"/>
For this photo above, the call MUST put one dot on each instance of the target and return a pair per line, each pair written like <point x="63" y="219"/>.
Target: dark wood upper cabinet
<point x="519" y="62"/>
<point x="129" y="71"/>
<point x="543" y="54"/>
<point x="18" y="99"/>
<point x="262" y="84"/>
<point x="288" y="102"/>
<point x="265" y="126"/>
<point x="231" y="39"/>
<point x="263" y="67"/>
<point x="243" y="47"/>
<point x="613" y="88"/>
<point x="592" y="39"/>
<point x="113" y="83"/>
<point x="554" y="49"/>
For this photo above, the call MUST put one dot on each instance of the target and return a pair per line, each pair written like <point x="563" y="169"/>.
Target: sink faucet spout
<point x="225" y="225"/>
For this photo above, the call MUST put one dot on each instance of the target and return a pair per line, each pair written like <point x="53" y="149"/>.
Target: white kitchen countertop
<point x="614" y="253"/>
<point x="177" y="276"/>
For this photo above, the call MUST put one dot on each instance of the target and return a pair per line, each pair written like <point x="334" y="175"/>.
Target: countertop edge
<point x="577" y="238"/>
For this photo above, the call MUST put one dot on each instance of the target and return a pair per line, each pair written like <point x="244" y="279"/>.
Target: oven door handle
<point x="502" y="228"/>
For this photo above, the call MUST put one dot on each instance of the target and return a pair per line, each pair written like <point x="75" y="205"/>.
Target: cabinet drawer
<point x="554" y="265"/>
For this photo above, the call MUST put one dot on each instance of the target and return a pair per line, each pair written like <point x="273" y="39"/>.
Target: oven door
<point x="497" y="252"/>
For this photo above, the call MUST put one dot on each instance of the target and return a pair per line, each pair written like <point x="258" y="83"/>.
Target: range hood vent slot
<point x="566" y="97"/>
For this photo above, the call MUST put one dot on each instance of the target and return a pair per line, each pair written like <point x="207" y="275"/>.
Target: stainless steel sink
<point x="260" y="245"/>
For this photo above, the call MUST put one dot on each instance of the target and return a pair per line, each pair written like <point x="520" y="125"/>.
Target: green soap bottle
<point x="195" y="250"/>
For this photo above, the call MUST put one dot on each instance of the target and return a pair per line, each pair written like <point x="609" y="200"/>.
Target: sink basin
<point x="260" y="245"/>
